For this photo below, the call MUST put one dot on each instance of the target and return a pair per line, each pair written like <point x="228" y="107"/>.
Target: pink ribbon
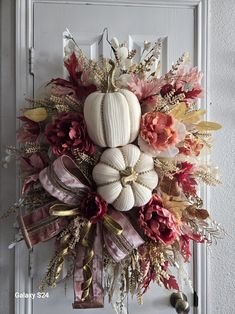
<point x="65" y="181"/>
<point x="121" y="246"/>
<point x="40" y="226"/>
<point x="96" y="299"/>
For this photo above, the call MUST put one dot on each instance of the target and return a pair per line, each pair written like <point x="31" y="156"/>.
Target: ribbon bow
<point x="66" y="183"/>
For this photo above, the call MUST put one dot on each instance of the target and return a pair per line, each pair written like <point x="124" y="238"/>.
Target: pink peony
<point x="69" y="132"/>
<point x="157" y="222"/>
<point x="160" y="132"/>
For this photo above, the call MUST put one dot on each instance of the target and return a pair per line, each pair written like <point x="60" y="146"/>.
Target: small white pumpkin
<point x="112" y="118"/>
<point x="125" y="177"/>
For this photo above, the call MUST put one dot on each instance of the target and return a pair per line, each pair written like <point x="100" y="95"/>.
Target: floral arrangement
<point x="111" y="164"/>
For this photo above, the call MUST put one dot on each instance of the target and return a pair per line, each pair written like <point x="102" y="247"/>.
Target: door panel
<point x="132" y="24"/>
<point x="87" y="23"/>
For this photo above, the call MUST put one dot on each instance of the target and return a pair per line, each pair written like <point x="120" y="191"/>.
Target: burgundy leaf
<point x="170" y="283"/>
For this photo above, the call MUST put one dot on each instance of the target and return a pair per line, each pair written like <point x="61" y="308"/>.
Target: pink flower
<point x="160" y="132"/>
<point x="69" y="132"/>
<point x="29" y="130"/>
<point x="145" y="90"/>
<point x="157" y="222"/>
<point x="189" y="81"/>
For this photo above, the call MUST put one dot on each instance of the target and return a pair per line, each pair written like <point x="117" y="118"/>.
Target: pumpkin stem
<point x="111" y="85"/>
<point x="128" y="175"/>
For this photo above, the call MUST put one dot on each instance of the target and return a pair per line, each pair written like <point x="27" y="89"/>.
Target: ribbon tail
<point x="95" y="298"/>
<point x="40" y="226"/>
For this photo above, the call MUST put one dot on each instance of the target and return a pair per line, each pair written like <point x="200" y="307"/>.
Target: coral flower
<point x="191" y="146"/>
<point x="160" y="132"/>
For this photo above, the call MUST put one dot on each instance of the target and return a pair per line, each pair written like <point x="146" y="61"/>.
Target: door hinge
<point x="195" y="299"/>
<point x="31" y="60"/>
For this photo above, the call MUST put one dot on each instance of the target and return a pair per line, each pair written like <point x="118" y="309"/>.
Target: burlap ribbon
<point x="65" y="182"/>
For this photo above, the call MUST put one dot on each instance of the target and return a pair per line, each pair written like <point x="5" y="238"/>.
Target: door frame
<point x="24" y="88"/>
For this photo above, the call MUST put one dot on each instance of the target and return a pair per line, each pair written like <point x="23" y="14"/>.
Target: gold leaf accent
<point x="178" y="111"/>
<point x="175" y="205"/>
<point x="166" y="168"/>
<point x="36" y="115"/>
<point x="193" y="116"/>
<point x="208" y="126"/>
<point x="206" y="177"/>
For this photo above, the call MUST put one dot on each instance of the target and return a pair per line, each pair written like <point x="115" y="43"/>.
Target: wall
<point x="222" y="97"/>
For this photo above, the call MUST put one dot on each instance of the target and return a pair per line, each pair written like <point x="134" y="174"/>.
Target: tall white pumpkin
<point x="125" y="177"/>
<point x="112" y="118"/>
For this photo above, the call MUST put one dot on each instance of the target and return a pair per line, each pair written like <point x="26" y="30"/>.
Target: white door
<point x="133" y="22"/>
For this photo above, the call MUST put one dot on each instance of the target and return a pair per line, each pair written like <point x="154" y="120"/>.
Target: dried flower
<point x="157" y="222"/>
<point x="69" y="132"/>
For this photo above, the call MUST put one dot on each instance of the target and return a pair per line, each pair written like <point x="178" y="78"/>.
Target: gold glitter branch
<point x="207" y="177"/>
<point x="166" y="168"/>
<point x="56" y="264"/>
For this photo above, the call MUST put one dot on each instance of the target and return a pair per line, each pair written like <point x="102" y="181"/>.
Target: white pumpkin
<point x="125" y="177"/>
<point x="112" y="118"/>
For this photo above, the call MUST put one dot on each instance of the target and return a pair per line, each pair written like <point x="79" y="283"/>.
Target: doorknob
<point x="180" y="302"/>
